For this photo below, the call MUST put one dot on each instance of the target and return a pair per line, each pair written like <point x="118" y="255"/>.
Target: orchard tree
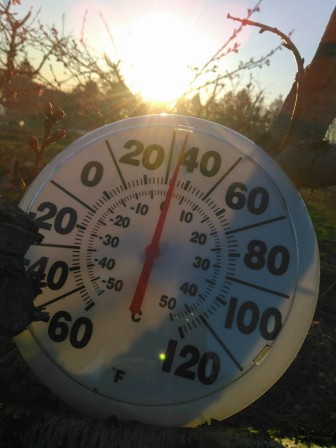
<point x="18" y="36"/>
<point x="297" y="136"/>
<point x="59" y="60"/>
<point x="242" y="108"/>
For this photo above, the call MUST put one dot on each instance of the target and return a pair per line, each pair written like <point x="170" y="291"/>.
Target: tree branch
<point x="308" y="160"/>
<point x="299" y="82"/>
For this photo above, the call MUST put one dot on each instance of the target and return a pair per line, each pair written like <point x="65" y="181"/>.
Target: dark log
<point x="18" y="288"/>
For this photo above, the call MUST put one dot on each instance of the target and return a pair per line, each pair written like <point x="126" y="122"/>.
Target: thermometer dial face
<point x="181" y="272"/>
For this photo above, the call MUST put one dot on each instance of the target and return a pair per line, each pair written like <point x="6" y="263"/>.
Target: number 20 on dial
<point x="181" y="272"/>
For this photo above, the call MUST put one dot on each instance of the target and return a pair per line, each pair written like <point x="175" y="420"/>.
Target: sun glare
<point x="159" y="51"/>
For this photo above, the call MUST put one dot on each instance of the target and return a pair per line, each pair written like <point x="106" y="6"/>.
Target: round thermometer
<point x="180" y="269"/>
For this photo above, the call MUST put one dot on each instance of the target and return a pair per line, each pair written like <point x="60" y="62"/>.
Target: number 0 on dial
<point x="181" y="272"/>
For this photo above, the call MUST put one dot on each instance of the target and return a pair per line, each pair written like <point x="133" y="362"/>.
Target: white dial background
<point x="230" y="296"/>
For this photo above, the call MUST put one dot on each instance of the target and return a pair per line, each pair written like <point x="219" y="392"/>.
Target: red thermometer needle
<point x="152" y="251"/>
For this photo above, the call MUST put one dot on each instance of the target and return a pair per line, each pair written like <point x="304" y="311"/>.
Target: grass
<point x="322" y="209"/>
<point x="17" y="158"/>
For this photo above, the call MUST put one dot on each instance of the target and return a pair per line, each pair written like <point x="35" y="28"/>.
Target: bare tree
<point x="18" y="36"/>
<point x="54" y="50"/>
<point x="308" y="157"/>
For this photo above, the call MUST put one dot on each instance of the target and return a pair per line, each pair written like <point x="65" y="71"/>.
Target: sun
<point x="158" y="55"/>
<point x="157" y="51"/>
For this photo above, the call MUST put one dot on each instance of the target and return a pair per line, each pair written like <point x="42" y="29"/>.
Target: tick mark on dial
<point x="220" y="300"/>
<point x="62" y="296"/>
<point x="234" y="255"/>
<point x="73" y="196"/>
<point x="260" y="288"/>
<point x="74" y="268"/>
<point x="59" y="246"/>
<point x="220" y="212"/>
<point x="221" y="343"/>
<point x="89" y="306"/>
<point x="251" y="226"/>
<point x="107" y="195"/>
<point x="186" y="185"/>
<point x="95" y="279"/>
<point x="116" y="164"/>
<point x="211" y="282"/>
<point x="181" y="332"/>
<point x="187" y="308"/>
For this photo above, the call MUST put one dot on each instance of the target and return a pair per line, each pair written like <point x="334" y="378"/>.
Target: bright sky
<point x="157" y="40"/>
